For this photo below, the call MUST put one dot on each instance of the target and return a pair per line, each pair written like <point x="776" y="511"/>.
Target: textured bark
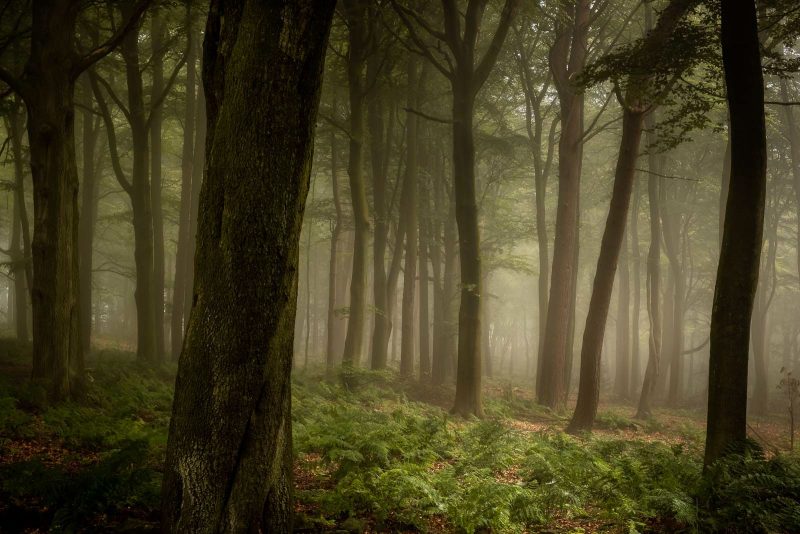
<point x="89" y="199"/>
<point x="355" y="13"/>
<point x="410" y="209"/>
<point x="51" y="130"/>
<point x="229" y="464"/>
<point x="156" y="118"/>
<point x="737" y="275"/>
<point x="613" y="235"/>
<point x="567" y="58"/>
<point x="179" y="290"/>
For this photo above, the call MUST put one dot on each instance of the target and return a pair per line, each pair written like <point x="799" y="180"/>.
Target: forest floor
<point x="375" y="454"/>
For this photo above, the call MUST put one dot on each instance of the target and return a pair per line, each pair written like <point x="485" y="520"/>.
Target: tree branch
<point x="104" y="49"/>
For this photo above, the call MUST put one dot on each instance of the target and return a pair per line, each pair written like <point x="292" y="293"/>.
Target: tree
<point x="567" y="59"/>
<point x="47" y="85"/>
<point x="740" y="253"/>
<point x="355" y="13"/>
<point x="655" y="63"/>
<point x="228" y="466"/>
<point x="466" y="78"/>
<point x="180" y="290"/>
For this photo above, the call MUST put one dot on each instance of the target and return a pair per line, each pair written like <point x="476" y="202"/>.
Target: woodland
<point x="461" y="266"/>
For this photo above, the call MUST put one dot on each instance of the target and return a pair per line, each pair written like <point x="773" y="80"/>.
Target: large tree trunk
<point x="89" y="199"/>
<point x="567" y="58"/>
<point x="156" y="118"/>
<point x="613" y="235"/>
<point x="737" y="275"/>
<point x="228" y="466"/>
<point x="409" y="207"/>
<point x="180" y="290"/>
<point x="468" y="399"/>
<point x="355" y="13"/>
<point x="51" y="133"/>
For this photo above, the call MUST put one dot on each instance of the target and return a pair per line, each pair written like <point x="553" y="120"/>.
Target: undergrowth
<point x="370" y="457"/>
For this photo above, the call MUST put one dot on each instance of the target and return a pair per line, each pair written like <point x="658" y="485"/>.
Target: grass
<point x="371" y="456"/>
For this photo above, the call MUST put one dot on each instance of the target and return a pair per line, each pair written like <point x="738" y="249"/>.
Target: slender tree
<point x="740" y="254"/>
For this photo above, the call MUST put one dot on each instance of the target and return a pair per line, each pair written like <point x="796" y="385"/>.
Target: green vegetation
<point x="369" y="457"/>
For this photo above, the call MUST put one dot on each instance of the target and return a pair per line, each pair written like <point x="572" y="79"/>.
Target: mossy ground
<point x="380" y="455"/>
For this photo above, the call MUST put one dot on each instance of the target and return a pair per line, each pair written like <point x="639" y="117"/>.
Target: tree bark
<point x="229" y="454"/>
<point x="567" y="58"/>
<point x="737" y="275"/>
<point x="355" y="13"/>
<point x="613" y="235"/>
<point x="50" y="102"/>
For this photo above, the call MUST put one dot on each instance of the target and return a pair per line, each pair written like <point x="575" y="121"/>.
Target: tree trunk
<point x="140" y="201"/>
<point x="567" y="57"/>
<point x="51" y="129"/>
<point x="439" y="363"/>
<point x="636" y="259"/>
<point x="156" y="118"/>
<point x="198" y="174"/>
<point x="737" y="275"/>
<point x="182" y="258"/>
<point x="468" y="399"/>
<point x="229" y="454"/>
<point x="89" y="199"/>
<point x="355" y="13"/>
<point x="613" y="235"/>
<point x="622" y="361"/>
<point x="332" y="321"/>
<point x="379" y="147"/>
<point x="410" y="201"/>
<point x="19" y="251"/>
<point x="424" y="310"/>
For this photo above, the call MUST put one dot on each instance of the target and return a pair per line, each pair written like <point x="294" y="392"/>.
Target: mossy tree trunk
<point x="228" y="466"/>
